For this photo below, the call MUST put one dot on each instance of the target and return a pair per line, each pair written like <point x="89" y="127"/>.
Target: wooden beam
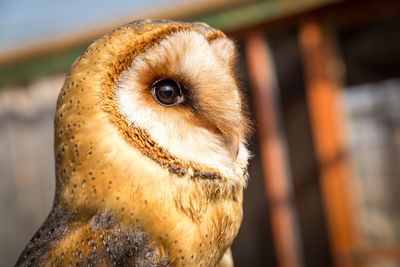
<point x="323" y="92"/>
<point x="341" y="14"/>
<point x="380" y="255"/>
<point x="273" y="150"/>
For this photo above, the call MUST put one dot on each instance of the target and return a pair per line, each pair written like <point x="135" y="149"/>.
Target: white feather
<point x="187" y="142"/>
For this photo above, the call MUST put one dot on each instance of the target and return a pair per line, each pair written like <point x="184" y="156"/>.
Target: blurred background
<point x="322" y="78"/>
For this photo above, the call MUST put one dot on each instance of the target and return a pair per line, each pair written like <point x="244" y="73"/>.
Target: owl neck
<point x="180" y="216"/>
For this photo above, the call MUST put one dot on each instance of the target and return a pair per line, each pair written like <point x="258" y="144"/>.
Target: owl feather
<point x="150" y="150"/>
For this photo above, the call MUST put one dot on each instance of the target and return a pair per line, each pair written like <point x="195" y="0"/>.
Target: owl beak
<point x="233" y="147"/>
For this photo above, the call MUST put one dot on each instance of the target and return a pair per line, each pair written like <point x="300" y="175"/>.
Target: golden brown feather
<point x="121" y="197"/>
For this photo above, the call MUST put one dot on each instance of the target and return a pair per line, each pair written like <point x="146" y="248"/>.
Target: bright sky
<point x="27" y="20"/>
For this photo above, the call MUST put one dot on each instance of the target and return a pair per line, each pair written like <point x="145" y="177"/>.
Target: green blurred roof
<point x="230" y="16"/>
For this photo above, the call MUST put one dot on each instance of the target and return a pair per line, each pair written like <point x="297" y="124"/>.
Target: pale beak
<point x="233" y="146"/>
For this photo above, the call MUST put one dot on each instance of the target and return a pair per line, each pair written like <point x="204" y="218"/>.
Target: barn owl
<point x="150" y="149"/>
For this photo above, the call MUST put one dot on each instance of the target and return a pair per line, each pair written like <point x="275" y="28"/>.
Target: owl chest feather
<point x="65" y="240"/>
<point x="133" y="230"/>
<point x="125" y="206"/>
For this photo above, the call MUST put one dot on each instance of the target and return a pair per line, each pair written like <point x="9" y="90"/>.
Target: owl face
<point x="183" y="92"/>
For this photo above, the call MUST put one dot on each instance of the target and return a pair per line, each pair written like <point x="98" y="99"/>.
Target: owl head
<point x="169" y="88"/>
<point x="151" y="118"/>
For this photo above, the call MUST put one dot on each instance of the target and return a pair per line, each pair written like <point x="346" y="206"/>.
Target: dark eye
<point x="167" y="92"/>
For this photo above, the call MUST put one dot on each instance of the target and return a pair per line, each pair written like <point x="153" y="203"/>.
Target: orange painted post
<point x="273" y="150"/>
<point x="323" y="93"/>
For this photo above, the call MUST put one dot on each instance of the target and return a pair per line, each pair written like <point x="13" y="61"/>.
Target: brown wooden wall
<point x="26" y="162"/>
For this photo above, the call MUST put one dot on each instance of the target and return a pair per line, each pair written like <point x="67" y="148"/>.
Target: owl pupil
<point x="167" y="92"/>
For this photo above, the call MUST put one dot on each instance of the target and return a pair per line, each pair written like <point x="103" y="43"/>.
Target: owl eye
<point x="167" y="92"/>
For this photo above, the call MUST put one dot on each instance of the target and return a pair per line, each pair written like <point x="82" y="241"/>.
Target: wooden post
<point x="273" y="152"/>
<point x="323" y="93"/>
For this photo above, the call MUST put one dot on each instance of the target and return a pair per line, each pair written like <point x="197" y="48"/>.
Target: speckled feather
<point x="120" y="198"/>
